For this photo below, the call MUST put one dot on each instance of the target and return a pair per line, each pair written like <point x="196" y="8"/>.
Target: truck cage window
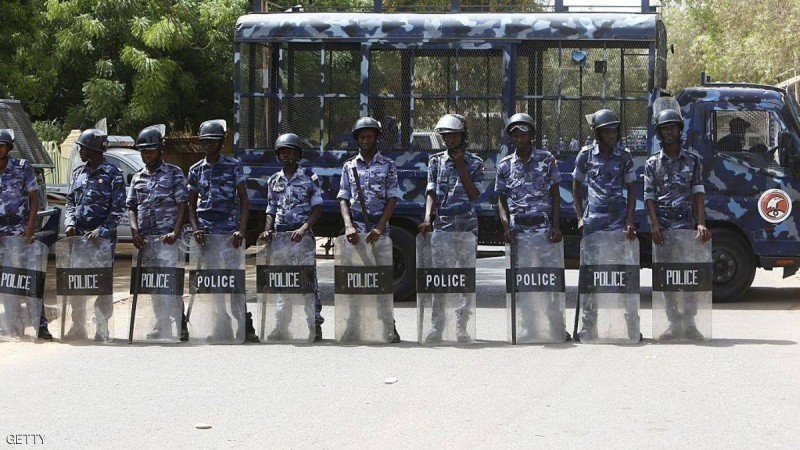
<point x="315" y="76"/>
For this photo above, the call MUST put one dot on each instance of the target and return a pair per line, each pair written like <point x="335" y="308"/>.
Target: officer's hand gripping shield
<point x="22" y="274"/>
<point x="539" y="289"/>
<point x="286" y="282"/>
<point x="682" y="287"/>
<point x="84" y="284"/>
<point x="446" y="287"/>
<point x="609" y="288"/>
<point x="159" y="306"/>
<point x="363" y="301"/>
<point x="216" y="310"/>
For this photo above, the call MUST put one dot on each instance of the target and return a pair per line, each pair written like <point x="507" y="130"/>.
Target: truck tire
<point x="404" y="255"/>
<point x="734" y="265"/>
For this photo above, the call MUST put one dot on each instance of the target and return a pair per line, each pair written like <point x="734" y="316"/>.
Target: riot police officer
<point x="378" y="179"/>
<point x="529" y="200"/>
<point x="454" y="184"/>
<point x="19" y="202"/>
<point x="94" y="207"/>
<point x="607" y="169"/>
<point x="157" y="204"/>
<point x="675" y="199"/>
<point x="294" y="203"/>
<point x="218" y="202"/>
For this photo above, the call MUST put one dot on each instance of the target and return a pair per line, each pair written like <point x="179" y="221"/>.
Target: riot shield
<point x="84" y="286"/>
<point x="539" y="289"/>
<point x="216" y="309"/>
<point x="682" y="287"/>
<point x="446" y="287"/>
<point x="22" y="274"/>
<point x="363" y="300"/>
<point x="609" y="288"/>
<point x="286" y="281"/>
<point x="159" y="305"/>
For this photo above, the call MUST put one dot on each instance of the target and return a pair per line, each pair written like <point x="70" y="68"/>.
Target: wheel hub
<point x="724" y="266"/>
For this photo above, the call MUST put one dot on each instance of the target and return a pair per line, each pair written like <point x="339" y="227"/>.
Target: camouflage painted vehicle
<point x="315" y="74"/>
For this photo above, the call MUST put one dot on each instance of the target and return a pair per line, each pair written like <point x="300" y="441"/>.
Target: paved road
<point x="739" y="390"/>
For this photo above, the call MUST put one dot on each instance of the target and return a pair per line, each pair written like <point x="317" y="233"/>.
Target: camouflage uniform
<point x="527" y="186"/>
<point x="18" y="180"/>
<point x="607" y="207"/>
<point x="379" y="183"/>
<point x="290" y="201"/>
<point x="454" y="210"/>
<point x="218" y="213"/>
<point x="606" y="179"/>
<point x="671" y="184"/>
<point x="156" y="198"/>
<point x="218" y="202"/>
<point x="96" y="201"/>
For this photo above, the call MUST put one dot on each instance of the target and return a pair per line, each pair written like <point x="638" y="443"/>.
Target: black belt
<point x="674" y="214"/>
<point x="455" y="210"/>
<point x="530" y="221"/>
<point x="359" y="217"/>
<point x="288" y="227"/>
<point x="601" y="209"/>
<point x="212" y="216"/>
<point x="10" y="220"/>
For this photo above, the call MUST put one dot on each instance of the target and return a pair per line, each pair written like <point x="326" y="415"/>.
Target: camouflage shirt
<point x="96" y="200"/>
<point x="671" y="183"/>
<point x="291" y="200"/>
<point x="156" y="198"/>
<point x="218" y="201"/>
<point x="445" y="183"/>
<point x="527" y="184"/>
<point x="378" y="181"/>
<point x="606" y="178"/>
<point x="18" y="179"/>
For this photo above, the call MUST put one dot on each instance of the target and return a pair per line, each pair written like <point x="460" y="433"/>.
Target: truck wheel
<point x="404" y="256"/>
<point x="734" y="265"/>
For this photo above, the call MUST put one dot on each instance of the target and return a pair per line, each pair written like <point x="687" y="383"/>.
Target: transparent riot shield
<point x="216" y="309"/>
<point x="286" y="281"/>
<point x="682" y="287"/>
<point x="609" y="288"/>
<point x="363" y="300"/>
<point x="159" y="305"/>
<point x="446" y="287"/>
<point x="22" y="274"/>
<point x="84" y="284"/>
<point x="539" y="289"/>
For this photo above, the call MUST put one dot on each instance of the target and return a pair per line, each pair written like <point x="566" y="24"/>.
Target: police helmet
<point x="668" y="117"/>
<point x="451" y="123"/>
<point x="604" y="118"/>
<point x="7" y="137"/>
<point x="288" y="140"/>
<point x="151" y="137"/>
<point x="215" y="129"/>
<point x="93" y="139"/>
<point x="366" y="123"/>
<point x="522" y="122"/>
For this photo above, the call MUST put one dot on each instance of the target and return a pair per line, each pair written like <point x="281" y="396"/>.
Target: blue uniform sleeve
<point x="630" y="174"/>
<point x="650" y="192"/>
<point x="31" y="185"/>
<point x="579" y="173"/>
<point x="501" y="181"/>
<point x="697" y="178"/>
<point x="344" y="184"/>
<point x="554" y="175"/>
<point x="193" y="182"/>
<point x="238" y="173"/>
<point x="117" y="205"/>
<point x="272" y="199"/>
<point x="433" y="174"/>
<point x="316" y="191"/>
<point x="69" y="208"/>
<point x="179" y="189"/>
<point x="392" y="189"/>
<point x="132" y="202"/>
<point x="478" y="173"/>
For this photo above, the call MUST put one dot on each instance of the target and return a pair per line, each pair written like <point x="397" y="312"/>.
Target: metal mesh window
<point x="750" y="135"/>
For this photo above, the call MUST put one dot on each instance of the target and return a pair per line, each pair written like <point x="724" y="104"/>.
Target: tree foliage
<point x="732" y="40"/>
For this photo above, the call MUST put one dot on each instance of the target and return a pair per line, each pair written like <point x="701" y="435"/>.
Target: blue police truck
<point x="315" y="74"/>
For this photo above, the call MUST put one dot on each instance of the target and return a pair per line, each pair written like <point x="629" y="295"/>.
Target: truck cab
<point x="747" y="137"/>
